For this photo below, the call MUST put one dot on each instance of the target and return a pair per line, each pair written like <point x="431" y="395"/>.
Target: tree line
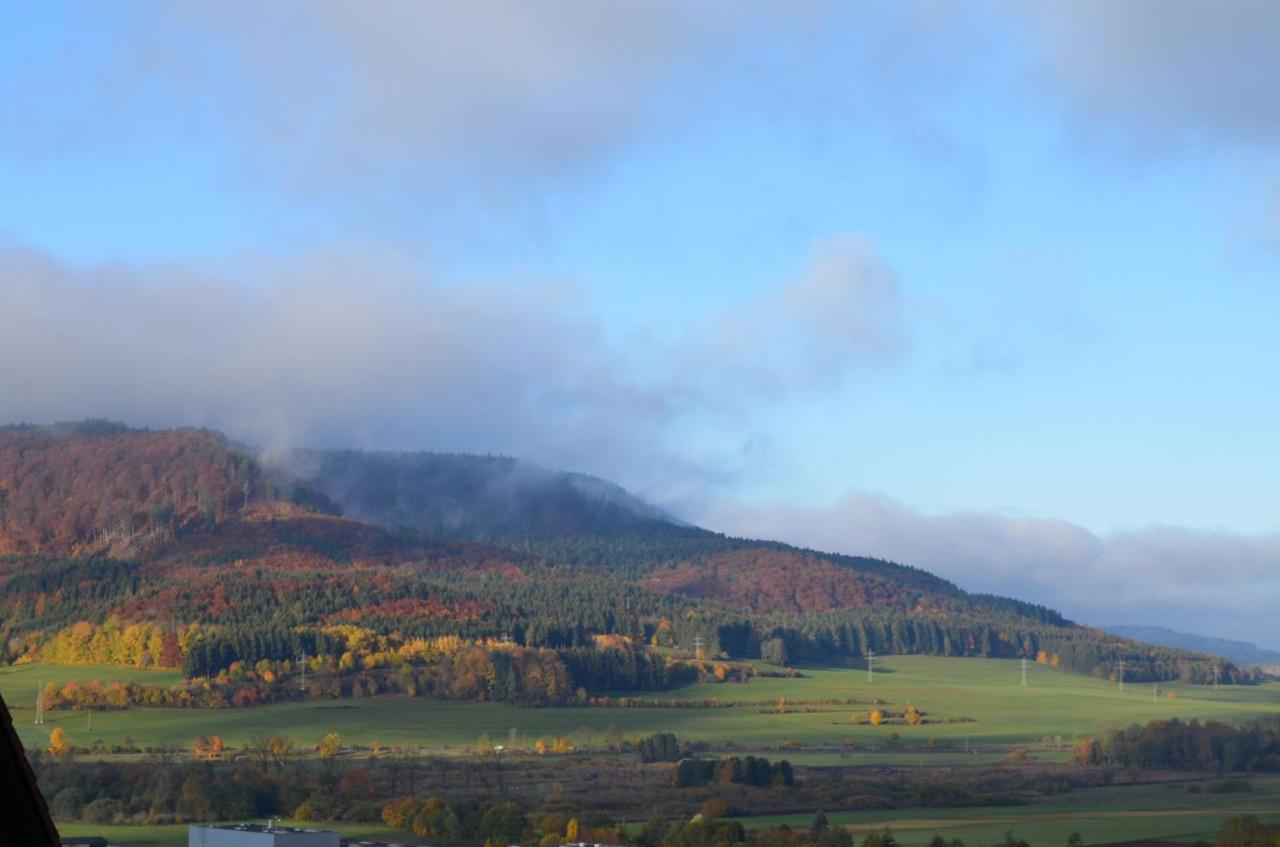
<point x="1188" y="746"/>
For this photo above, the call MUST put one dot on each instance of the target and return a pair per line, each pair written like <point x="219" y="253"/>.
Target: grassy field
<point x="978" y="702"/>
<point x="1100" y="815"/>
<point x="175" y="835"/>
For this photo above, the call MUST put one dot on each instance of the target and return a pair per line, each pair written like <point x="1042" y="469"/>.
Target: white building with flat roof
<point x="258" y="835"/>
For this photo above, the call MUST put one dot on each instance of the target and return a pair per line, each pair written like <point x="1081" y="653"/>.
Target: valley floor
<point x="977" y="705"/>
<point x="976" y="713"/>
<point x="1101" y="816"/>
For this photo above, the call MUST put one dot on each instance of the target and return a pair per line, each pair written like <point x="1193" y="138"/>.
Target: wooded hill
<point x="141" y="547"/>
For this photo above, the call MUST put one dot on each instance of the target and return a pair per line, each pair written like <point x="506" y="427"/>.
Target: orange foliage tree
<point x="58" y="744"/>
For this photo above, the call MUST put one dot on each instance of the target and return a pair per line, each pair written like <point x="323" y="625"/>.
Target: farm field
<point x="1100" y="815"/>
<point x="978" y="702"/>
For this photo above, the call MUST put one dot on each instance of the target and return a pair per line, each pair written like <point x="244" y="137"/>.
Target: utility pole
<point x="1120" y="673"/>
<point x="1024" y="671"/>
<point x="40" y="703"/>
<point x="90" y="719"/>
<point x="871" y="661"/>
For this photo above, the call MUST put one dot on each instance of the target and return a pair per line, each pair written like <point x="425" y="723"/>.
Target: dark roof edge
<point x="31" y="825"/>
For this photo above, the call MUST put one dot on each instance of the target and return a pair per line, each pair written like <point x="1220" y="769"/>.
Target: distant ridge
<point x="1242" y="652"/>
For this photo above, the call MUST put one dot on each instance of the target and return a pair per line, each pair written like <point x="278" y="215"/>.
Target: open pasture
<point x="975" y="702"/>
<point x="1164" y="811"/>
<point x="1102" y="815"/>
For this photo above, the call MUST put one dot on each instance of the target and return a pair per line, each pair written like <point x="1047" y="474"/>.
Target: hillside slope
<point x="106" y="531"/>
<point x="583" y="521"/>
<point x="465" y="496"/>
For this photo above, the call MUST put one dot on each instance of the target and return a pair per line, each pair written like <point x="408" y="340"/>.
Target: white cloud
<point x="1208" y="582"/>
<point x="407" y="100"/>
<point x="359" y="350"/>
<point x="843" y="313"/>
<point x="1165" y="71"/>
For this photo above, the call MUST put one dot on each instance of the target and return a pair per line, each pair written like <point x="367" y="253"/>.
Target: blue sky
<point x="1000" y="276"/>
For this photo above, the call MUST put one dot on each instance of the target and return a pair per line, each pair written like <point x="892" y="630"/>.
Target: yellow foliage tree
<point x="782" y="705"/>
<point x="876" y="718"/>
<point x="58" y="744"/>
<point x="571" y="831"/>
<point x="913" y="715"/>
<point x="279" y="751"/>
<point x="330" y="746"/>
<point x="561" y="745"/>
<point x="540" y="746"/>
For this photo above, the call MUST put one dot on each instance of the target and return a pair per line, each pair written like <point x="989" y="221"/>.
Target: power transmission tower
<point x="871" y="661"/>
<point x="302" y="666"/>
<point x="697" y="646"/>
<point x="40" y="704"/>
<point x="1024" y="671"/>
<point x="1120" y="673"/>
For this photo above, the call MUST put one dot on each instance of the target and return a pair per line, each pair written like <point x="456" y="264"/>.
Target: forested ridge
<point x="176" y="548"/>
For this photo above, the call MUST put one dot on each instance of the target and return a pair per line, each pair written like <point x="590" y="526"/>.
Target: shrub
<point x="714" y="808"/>
<point x="68" y="803"/>
<point x="102" y="810"/>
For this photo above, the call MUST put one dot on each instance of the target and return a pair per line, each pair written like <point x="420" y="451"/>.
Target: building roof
<point x="256" y="827"/>
<point x="31" y="824"/>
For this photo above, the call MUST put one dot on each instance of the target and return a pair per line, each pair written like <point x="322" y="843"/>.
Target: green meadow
<point x="175" y="835"/>
<point x="1163" y="811"/>
<point x="1100" y="815"/>
<point x="978" y="704"/>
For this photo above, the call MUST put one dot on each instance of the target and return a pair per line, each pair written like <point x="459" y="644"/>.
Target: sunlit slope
<point x="978" y="701"/>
